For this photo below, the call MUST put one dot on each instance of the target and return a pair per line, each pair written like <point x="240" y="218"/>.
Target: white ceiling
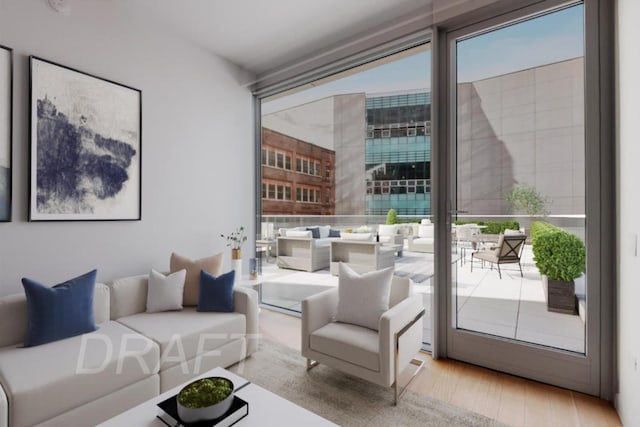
<point x="260" y="35"/>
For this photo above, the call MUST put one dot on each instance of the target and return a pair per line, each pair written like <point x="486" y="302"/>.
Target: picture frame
<point x="85" y="146"/>
<point x="6" y="132"/>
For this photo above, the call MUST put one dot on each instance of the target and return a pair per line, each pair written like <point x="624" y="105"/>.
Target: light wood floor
<point x="511" y="400"/>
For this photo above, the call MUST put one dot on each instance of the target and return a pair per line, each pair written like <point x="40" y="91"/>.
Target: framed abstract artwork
<point x="6" y="132"/>
<point x="86" y="141"/>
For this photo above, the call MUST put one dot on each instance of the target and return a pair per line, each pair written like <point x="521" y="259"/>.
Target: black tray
<point x="170" y="406"/>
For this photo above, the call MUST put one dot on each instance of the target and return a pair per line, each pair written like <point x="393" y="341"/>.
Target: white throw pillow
<point x="425" y="221"/>
<point x="362" y="299"/>
<point x="324" y="231"/>
<point x="165" y="292"/>
<point x="387" y="230"/>
<point x="299" y="233"/>
<point x="425" y="231"/>
<point x="361" y="237"/>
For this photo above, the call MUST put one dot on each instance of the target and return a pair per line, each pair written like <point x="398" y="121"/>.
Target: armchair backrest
<point x="510" y="247"/>
<point x="400" y="290"/>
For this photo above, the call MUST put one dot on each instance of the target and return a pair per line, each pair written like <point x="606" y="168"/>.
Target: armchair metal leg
<point x="397" y="393"/>
<point x="311" y="364"/>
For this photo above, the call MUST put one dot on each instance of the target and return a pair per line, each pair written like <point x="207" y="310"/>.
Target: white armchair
<point x="376" y="356"/>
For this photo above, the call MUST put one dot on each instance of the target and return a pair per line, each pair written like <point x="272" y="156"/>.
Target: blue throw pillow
<point x="315" y="232"/>
<point x="216" y="293"/>
<point x="334" y="233"/>
<point x="63" y="311"/>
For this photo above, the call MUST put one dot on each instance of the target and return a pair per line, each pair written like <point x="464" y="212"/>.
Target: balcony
<point x="512" y="306"/>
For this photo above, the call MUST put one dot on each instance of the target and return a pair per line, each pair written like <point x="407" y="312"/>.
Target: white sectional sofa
<point x="207" y="340"/>
<point x="42" y="385"/>
<point x="298" y="250"/>
<point x="51" y="384"/>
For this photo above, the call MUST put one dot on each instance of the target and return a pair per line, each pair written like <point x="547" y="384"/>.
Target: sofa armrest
<point x="317" y="311"/>
<point x="392" y="322"/>
<point x="128" y="296"/>
<point x="245" y="301"/>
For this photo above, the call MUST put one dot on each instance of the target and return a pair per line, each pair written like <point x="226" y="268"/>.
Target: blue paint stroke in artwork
<point x="4" y="193"/>
<point x="75" y="165"/>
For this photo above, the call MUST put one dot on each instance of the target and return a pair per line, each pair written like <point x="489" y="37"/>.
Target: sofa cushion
<point x="299" y="233"/>
<point x="425" y="231"/>
<point x="53" y="378"/>
<point x="363" y="298"/>
<point x="212" y="265"/>
<point x="351" y="343"/>
<point x="334" y="233"/>
<point x="165" y="292"/>
<point x="423" y="241"/>
<point x="61" y="311"/>
<point x="216" y="293"/>
<point x="179" y="332"/>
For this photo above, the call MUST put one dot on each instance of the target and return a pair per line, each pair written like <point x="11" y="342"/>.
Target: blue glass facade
<point x="398" y="154"/>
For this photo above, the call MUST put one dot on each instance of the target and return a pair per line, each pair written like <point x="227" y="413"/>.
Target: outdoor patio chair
<point x="507" y="251"/>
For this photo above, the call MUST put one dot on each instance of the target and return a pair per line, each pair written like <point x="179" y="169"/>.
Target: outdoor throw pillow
<point x="216" y="293"/>
<point x="212" y="265"/>
<point x="363" y="298"/>
<point x="62" y="311"/>
<point x="315" y="232"/>
<point x="334" y="233"/>
<point x="164" y="293"/>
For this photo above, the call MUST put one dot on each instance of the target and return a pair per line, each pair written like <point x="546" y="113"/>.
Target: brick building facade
<point x="298" y="178"/>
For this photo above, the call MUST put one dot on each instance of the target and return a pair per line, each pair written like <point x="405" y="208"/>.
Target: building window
<point x="411" y="132"/>
<point x="276" y="158"/>
<point x="386" y="133"/>
<point x="308" y="194"/>
<point x="276" y="190"/>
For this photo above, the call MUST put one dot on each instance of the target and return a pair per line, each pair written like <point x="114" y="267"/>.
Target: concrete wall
<point x="197" y="147"/>
<point x="337" y="123"/>
<point x="349" y="136"/>
<point x="628" y="177"/>
<point x="525" y="127"/>
<point x="311" y="122"/>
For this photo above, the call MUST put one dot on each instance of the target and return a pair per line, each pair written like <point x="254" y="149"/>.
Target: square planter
<point x="561" y="297"/>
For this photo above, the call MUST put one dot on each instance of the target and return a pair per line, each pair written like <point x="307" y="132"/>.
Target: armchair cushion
<point x="362" y="299"/>
<point x="351" y="343"/>
<point x="362" y="237"/>
<point x="425" y="231"/>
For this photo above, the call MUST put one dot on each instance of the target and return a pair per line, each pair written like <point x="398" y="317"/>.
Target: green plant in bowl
<point x="205" y="399"/>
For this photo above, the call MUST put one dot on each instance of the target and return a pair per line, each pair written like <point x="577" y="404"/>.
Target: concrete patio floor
<point x="513" y="307"/>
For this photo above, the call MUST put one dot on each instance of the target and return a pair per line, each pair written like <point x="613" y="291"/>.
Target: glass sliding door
<point x="337" y="156"/>
<point x="519" y="171"/>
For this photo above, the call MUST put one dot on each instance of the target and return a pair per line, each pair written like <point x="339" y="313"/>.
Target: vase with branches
<point x="235" y="239"/>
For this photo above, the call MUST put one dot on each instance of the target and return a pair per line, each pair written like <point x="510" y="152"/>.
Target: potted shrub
<point x="561" y="258"/>
<point x="392" y="217"/>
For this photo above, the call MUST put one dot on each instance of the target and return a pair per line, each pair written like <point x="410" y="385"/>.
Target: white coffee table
<point x="265" y="408"/>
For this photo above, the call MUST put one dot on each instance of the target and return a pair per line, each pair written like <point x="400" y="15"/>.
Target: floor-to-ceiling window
<point x="350" y="154"/>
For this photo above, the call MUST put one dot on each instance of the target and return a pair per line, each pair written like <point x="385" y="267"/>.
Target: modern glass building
<point x="398" y="154"/>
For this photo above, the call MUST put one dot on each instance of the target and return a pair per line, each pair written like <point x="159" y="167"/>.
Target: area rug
<point x="343" y="399"/>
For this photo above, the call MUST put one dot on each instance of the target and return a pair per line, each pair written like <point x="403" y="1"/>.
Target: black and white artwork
<point x="6" y="85"/>
<point x="85" y="146"/>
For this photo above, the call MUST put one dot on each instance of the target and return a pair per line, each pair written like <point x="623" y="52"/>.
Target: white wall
<point x="628" y="94"/>
<point x="197" y="145"/>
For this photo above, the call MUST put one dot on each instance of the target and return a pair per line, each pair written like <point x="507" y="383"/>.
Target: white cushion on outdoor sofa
<point x="181" y="332"/>
<point x="43" y="382"/>
<point x="425" y="231"/>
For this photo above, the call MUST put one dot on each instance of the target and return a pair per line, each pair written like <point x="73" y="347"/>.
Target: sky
<point x="543" y="40"/>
